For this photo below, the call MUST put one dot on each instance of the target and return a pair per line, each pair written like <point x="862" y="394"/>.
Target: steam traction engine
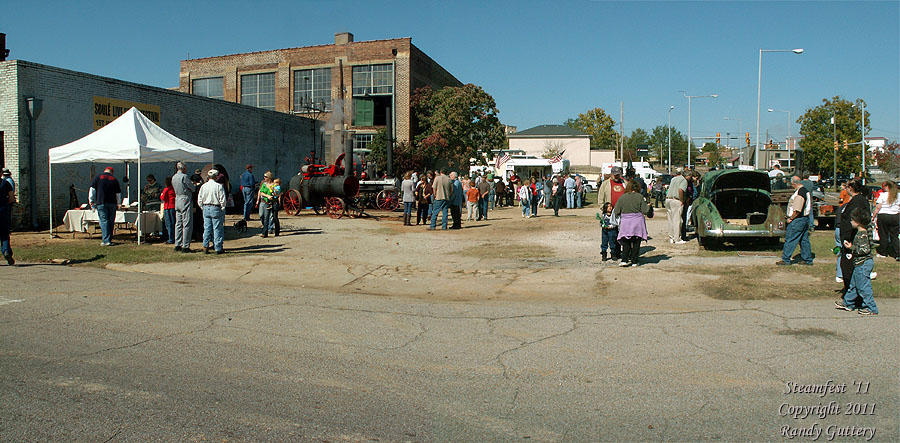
<point x="330" y="189"/>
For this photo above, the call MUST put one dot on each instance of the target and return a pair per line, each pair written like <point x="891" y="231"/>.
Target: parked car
<point x="736" y="203"/>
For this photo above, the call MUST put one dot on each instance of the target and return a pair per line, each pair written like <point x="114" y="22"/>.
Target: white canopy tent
<point x="130" y="137"/>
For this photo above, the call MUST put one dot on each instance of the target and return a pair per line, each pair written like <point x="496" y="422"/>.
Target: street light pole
<point x="834" y="131"/>
<point x="862" y="130"/>
<point x="690" y="139"/>
<point x="669" y="138"/>
<point x="740" y="131"/>
<point x="759" y="91"/>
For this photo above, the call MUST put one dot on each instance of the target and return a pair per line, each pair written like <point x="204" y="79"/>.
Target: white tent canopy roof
<point x="130" y="137"/>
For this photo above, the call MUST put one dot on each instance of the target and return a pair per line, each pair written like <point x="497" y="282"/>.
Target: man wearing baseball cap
<point x="7" y="200"/>
<point x="8" y="177"/>
<point x="248" y="184"/>
<point x="105" y="196"/>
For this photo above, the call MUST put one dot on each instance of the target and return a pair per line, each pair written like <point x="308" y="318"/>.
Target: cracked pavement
<point x="209" y="353"/>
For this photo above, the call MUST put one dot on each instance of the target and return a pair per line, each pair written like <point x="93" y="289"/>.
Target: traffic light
<point x="845" y="143"/>
<point x="718" y="138"/>
<point x="748" y="139"/>
<point x="835" y="145"/>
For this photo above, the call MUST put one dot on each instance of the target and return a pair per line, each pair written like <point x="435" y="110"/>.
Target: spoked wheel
<point x="354" y="208"/>
<point x="291" y="202"/>
<point x="387" y="200"/>
<point x="334" y="206"/>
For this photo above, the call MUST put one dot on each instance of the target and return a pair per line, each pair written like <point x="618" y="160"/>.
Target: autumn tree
<point x="888" y="160"/>
<point x="599" y="125"/>
<point x="819" y="133"/>
<point x="454" y="123"/>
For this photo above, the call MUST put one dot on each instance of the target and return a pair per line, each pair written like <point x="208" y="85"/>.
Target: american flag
<point x="501" y="160"/>
<point x="556" y="159"/>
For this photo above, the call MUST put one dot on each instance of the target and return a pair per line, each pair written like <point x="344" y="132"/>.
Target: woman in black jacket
<point x="857" y="201"/>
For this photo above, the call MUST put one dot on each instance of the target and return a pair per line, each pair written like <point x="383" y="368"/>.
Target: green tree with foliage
<point x="659" y="142"/>
<point x="455" y="123"/>
<point x="406" y="157"/>
<point x="638" y="137"/>
<point x="818" y="136"/>
<point x="714" y="156"/>
<point x="599" y="125"/>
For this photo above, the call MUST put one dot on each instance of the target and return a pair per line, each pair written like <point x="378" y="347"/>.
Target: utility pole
<point x="621" y="133"/>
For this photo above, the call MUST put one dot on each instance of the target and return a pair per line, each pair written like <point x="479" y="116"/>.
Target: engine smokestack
<point x="389" y="135"/>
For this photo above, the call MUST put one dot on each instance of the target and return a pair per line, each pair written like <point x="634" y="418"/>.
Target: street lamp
<point x="862" y="141"/>
<point x="690" y="140"/>
<point x="669" y="138"/>
<point x="759" y="91"/>
<point x="33" y="108"/>
<point x="787" y="141"/>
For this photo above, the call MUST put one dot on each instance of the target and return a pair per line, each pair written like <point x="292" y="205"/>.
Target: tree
<point x="818" y="136"/>
<point x="599" y="125"/>
<point x="406" y="158"/>
<point x="889" y="159"/>
<point x="454" y="123"/>
<point x="638" y="137"/>
<point x="659" y="141"/>
<point x="713" y="155"/>
<point x="552" y="149"/>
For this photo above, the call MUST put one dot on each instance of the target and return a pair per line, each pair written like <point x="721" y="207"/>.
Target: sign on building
<point x="108" y="109"/>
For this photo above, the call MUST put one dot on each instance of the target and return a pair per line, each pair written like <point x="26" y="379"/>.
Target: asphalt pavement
<point x="90" y="354"/>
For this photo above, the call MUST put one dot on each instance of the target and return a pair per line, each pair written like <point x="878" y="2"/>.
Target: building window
<point x="258" y="90"/>
<point x="208" y="87"/>
<point x="311" y="88"/>
<point x="373" y="80"/>
<point x="363" y="140"/>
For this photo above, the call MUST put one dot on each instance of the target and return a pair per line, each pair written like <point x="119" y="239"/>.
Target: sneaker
<point x="681" y="242"/>
<point x="104" y="244"/>
<point x="839" y="305"/>
<point x="866" y="311"/>
<point x="634" y="265"/>
<point x="177" y="248"/>
<point x="624" y="264"/>
<point x="782" y="263"/>
<point x="880" y="256"/>
<point x="838" y="280"/>
<point x="9" y="259"/>
<point x="873" y="275"/>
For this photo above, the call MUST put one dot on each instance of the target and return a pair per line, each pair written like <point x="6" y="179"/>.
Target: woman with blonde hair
<point x="265" y="200"/>
<point x="887" y="219"/>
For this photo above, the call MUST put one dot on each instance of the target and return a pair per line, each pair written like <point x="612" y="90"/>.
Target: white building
<point x="574" y="144"/>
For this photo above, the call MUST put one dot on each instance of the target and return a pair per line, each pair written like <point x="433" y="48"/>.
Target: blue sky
<point x="542" y="61"/>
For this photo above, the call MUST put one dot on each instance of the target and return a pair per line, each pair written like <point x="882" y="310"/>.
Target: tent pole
<point x="50" y="195"/>
<point x="139" y="213"/>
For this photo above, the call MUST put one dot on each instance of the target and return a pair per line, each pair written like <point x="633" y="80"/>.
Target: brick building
<point x="236" y="133"/>
<point x="376" y="75"/>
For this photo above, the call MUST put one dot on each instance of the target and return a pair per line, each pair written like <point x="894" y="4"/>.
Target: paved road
<point x="99" y="355"/>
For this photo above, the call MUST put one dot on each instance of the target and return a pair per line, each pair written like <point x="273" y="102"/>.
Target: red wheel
<point x="387" y="200"/>
<point x="334" y="206"/>
<point x="291" y="202"/>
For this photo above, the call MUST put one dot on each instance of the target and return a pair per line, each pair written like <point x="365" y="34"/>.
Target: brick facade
<point x="238" y="134"/>
<point x="412" y="69"/>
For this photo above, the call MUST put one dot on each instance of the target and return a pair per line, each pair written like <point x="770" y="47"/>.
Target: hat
<point x="615" y="170"/>
<point x="686" y="172"/>
<point x="6" y="171"/>
<point x="108" y="169"/>
<point x="248" y="166"/>
<point x="212" y="173"/>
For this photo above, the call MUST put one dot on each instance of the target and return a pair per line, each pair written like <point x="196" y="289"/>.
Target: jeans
<point x="861" y="287"/>
<point x="547" y="200"/>
<point x="213" y="226"/>
<point x="248" y="203"/>
<point x="471" y="208"/>
<point x="440" y="206"/>
<point x="797" y="231"/>
<point x="837" y="244"/>
<point x="491" y="196"/>
<point x="106" y="212"/>
<point x="5" y="224"/>
<point x="608" y="239"/>
<point x="579" y="196"/>
<point x="570" y="198"/>
<point x="483" y="206"/>
<point x="407" y="208"/>
<point x="422" y="213"/>
<point x="265" y="217"/>
<point x="169" y="215"/>
<point x="526" y="207"/>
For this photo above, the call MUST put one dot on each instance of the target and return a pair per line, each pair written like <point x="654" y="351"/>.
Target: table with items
<point x="88" y="221"/>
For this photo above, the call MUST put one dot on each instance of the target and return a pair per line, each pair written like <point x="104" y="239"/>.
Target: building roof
<point x="549" y="131"/>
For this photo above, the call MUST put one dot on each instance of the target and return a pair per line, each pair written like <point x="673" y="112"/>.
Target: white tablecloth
<point x="78" y="220"/>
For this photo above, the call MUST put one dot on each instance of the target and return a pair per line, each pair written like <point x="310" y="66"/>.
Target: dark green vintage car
<point x="736" y="203"/>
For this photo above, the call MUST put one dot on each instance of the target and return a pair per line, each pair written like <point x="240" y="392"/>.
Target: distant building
<point x="376" y="75"/>
<point x="574" y="144"/>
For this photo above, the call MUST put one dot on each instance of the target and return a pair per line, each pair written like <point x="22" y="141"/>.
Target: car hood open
<point x="731" y="179"/>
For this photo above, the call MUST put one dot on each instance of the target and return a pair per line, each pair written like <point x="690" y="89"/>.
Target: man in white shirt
<point x="212" y="200"/>
<point x="776" y="171"/>
<point x="797" y="229"/>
